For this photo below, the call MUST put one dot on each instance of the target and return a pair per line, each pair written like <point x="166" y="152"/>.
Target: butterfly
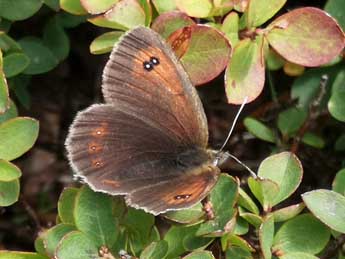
<point x="148" y="141"/>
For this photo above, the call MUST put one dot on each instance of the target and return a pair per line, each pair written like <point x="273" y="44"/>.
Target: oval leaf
<point x="163" y="6"/>
<point x="336" y="104"/>
<point x="9" y="192"/>
<point x="260" y="11"/>
<point x="338" y="184"/>
<point x="155" y="250"/>
<point x="15" y="63"/>
<point x="19" y="9"/>
<point x="17" y="136"/>
<point x="306" y="36"/>
<point x="105" y="43"/>
<point x="20" y="255"/>
<point x="245" y="74"/>
<point x="266" y="233"/>
<point x="10" y="113"/>
<point x="96" y="6"/>
<point x="53" y="236"/>
<point x="259" y="130"/>
<point x="286" y="170"/>
<point x="195" y="8"/>
<point x="298" y="255"/>
<point x="328" y="206"/>
<point x="207" y="53"/>
<point x="72" y="6"/>
<point x="8" y="171"/>
<point x="287" y="213"/>
<point x="199" y="255"/>
<point x="66" y="205"/>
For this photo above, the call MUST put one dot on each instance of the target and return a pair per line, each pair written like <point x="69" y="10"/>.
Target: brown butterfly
<point x="149" y="140"/>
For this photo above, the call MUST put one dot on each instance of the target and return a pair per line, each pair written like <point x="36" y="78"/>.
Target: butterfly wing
<point x="151" y="131"/>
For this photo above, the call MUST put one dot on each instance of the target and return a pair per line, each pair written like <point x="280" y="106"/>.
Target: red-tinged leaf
<point x="221" y="7"/>
<point x="207" y="54"/>
<point x="306" y="36"/>
<point x="180" y="40"/>
<point x="245" y="74"/>
<point x="195" y="8"/>
<point x="96" y="6"/>
<point x="167" y="23"/>
<point x="230" y="27"/>
<point x="124" y="15"/>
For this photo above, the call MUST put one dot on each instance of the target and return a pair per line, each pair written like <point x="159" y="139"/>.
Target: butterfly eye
<point x="148" y="66"/>
<point x="154" y="61"/>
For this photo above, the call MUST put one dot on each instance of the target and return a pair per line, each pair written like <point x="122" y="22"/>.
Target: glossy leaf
<point x="191" y="215"/>
<point x="4" y="95"/>
<point x="245" y="201"/>
<point x="53" y="4"/>
<point x="19" y="9"/>
<point x="290" y="120"/>
<point x="287" y="213"/>
<point x="7" y="43"/>
<point x="15" y="63"/>
<point x="20" y="255"/>
<point x="73" y="7"/>
<point x="292" y="69"/>
<point x="327" y="206"/>
<point x="93" y="216"/>
<point x="286" y="170"/>
<point x="273" y="60"/>
<point x="230" y="28"/>
<point x="264" y="190"/>
<point x="96" y="6"/>
<point x="156" y="250"/>
<point x="76" y="245"/>
<point x="41" y="57"/>
<point x="206" y="46"/>
<point x="10" y="113"/>
<point x="195" y="8"/>
<point x="66" y="205"/>
<point x="298" y="255"/>
<point x="266" y="233"/>
<point x="338" y="184"/>
<point x="56" y="39"/>
<point x="19" y="85"/>
<point x="259" y="130"/>
<point x="313" y="140"/>
<point x="9" y="171"/>
<point x="105" y="42"/>
<point x="9" y="191"/>
<point x="254" y="219"/>
<point x="336" y="104"/>
<point x="163" y="6"/>
<point x="260" y="11"/>
<point x="245" y="74"/>
<point x="17" y="136"/>
<point x="303" y="233"/>
<point x="199" y="255"/>
<point x="238" y="253"/>
<point x="169" y="22"/>
<point x="306" y="36"/>
<point x="222" y="198"/>
<point x="335" y="8"/>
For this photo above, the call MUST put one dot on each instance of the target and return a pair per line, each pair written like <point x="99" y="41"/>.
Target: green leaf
<point x="290" y="120"/>
<point x="19" y="84"/>
<point x="273" y="60"/>
<point x="8" y="171"/>
<point x="73" y="7"/>
<point x="167" y="23"/>
<point x="53" y="4"/>
<point x="105" y="42"/>
<point x="303" y="233"/>
<point x="56" y="39"/>
<point x="336" y="104"/>
<point x="163" y="6"/>
<point x="9" y="193"/>
<point x="266" y="234"/>
<point x="19" y="9"/>
<point x="41" y="58"/>
<point x="53" y="236"/>
<point x="338" y="146"/>
<point x="205" y="46"/>
<point x="15" y="63"/>
<point x="238" y="253"/>
<point x="241" y="227"/>
<point x="237" y="241"/>
<point x="253" y="219"/>
<point x="286" y="170"/>
<point x="199" y="255"/>
<point x="306" y="36"/>
<point x="259" y="130"/>
<point x="230" y="28"/>
<point x="124" y="15"/>
<point x="335" y="8"/>
<point x="245" y="73"/>
<point x="20" y="255"/>
<point x="93" y="216"/>
<point x="7" y="43"/>
<point x="156" y="250"/>
<point x="10" y="113"/>
<point x="4" y="95"/>
<point x="191" y="215"/>
<point x="313" y="140"/>
<point x="327" y="206"/>
<point x="265" y="190"/>
<point x="223" y="198"/>
<point x="96" y="6"/>
<point x="76" y="245"/>
<point x="298" y="255"/>
<point x="245" y="201"/>
<point x="287" y="213"/>
<point x="66" y="205"/>
<point x="17" y="136"/>
<point x="195" y="8"/>
<point x="260" y="11"/>
<point x="69" y="20"/>
<point x="338" y="184"/>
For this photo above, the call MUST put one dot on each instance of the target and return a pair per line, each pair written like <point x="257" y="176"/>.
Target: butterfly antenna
<point x="234" y="122"/>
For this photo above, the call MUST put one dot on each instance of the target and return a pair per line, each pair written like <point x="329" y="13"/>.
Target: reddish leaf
<point x="245" y="74"/>
<point x="167" y="23"/>
<point x="195" y="8"/>
<point x="306" y="36"/>
<point x="206" y="51"/>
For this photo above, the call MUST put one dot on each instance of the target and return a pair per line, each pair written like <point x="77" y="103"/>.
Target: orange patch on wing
<point x="97" y="162"/>
<point x="94" y="147"/>
<point x="101" y="131"/>
<point x="111" y="182"/>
